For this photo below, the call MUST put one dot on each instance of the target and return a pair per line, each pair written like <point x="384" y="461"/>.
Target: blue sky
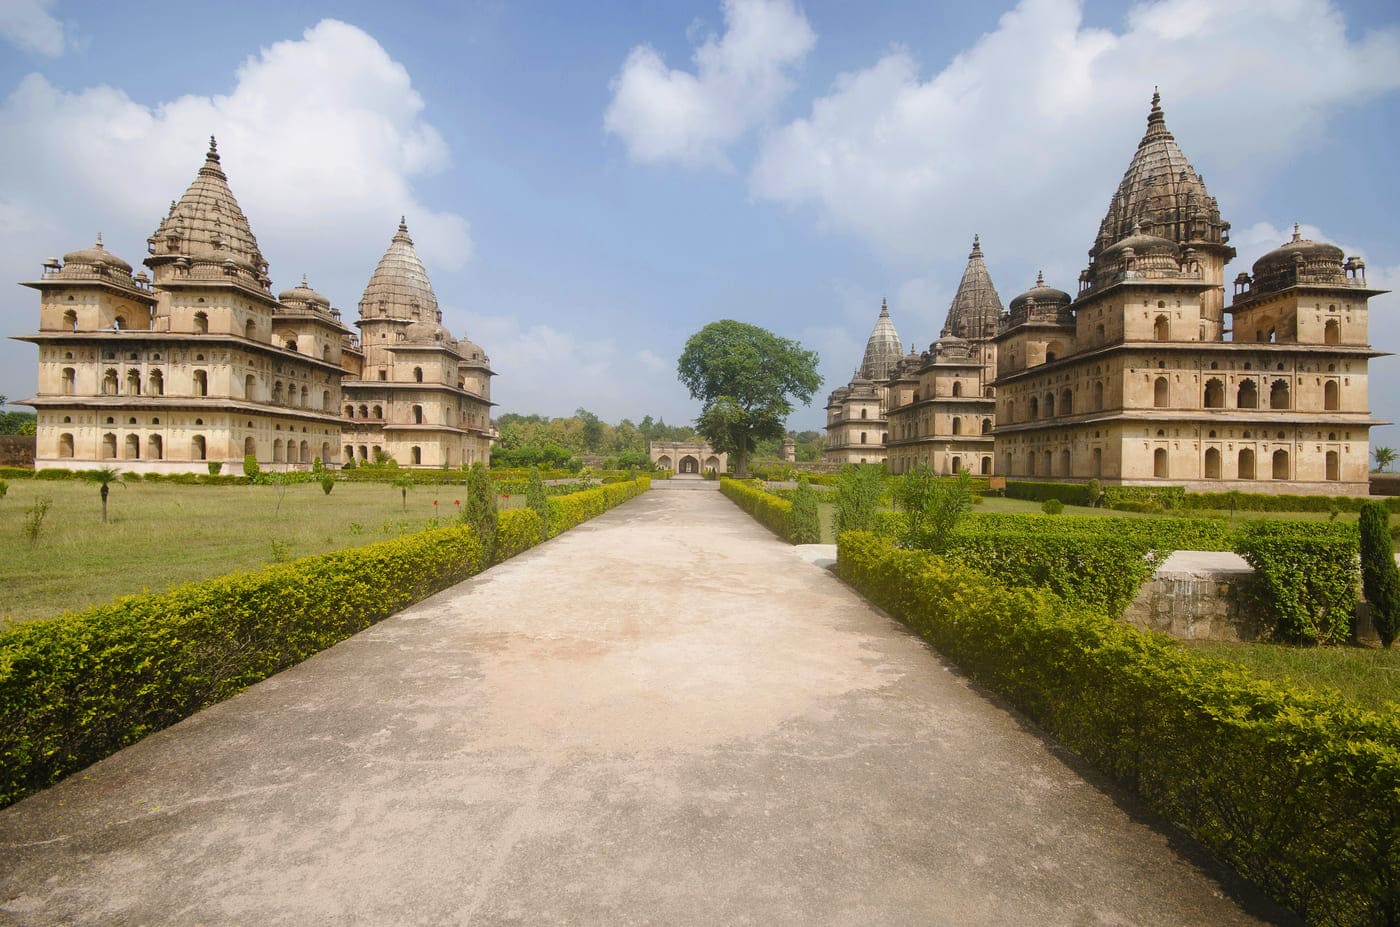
<point x="589" y="184"/>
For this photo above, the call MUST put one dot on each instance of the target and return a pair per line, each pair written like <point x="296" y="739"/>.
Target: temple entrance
<point x="689" y="464"/>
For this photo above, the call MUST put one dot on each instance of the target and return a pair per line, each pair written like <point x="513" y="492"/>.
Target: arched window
<point x="1246" y="467"/>
<point x="349" y="452"/>
<point x="1159" y="392"/>
<point x="201" y="323"/>
<point x="986" y="426"/>
<point x="291" y="344"/>
<point x="109" y="382"/>
<point x="1064" y="462"/>
<point x="1280" y="465"/>
<point x="70" y="320"/>
<point x="155" y="448"/>
<point x="986" y="466"/>
<point x="418" y="374"/>
<point x="416" y="453"/>
<point x="1046" y="461"/>
<point x="349" y="411"/>
<point x="1278" y="395"/>
<point x="1098" y="395"/>
<point x="109" y="446"/>
<point x="198" y="450"/>
<point x="957" y="425"/>
<point x="1049" y="405"/>
<point x="278" y="454"/>
<point x="1212" y="463"/>
<point x="1097" y="461"/>
<point x="1030" y="463"/>
<point x="70" y="379"/>
<point x="326" y="400"/>
<point x="250" y="446"/>
<point x="417" y="415"/>
<point x="277" y="393"/>
<point x="1334" y="468"/>
<point x="1159" y="462"/>
<point x="201" y="383"/>
<point x="1066" y="401"/>
<point x="1161" y="329"/>
<point x="118" y="323"/>
<point x="864" y="413"/>
<point x="1331" y="396"/>
<point x="862" y="437"/>
<point x="250" y="330"/>
<point x="305" y="397"/>
<point x="378" y="411"/>
<point x="1331" y="332"/>
<point x="306" y="452"/>
<point x="133" y="382"/>
<point x="1215" y="394"/>
<point x="1248" y="395"/>
<point x="1035" y="408"/>
<point x="65" y="445"/>
<point x="957" y="389"/>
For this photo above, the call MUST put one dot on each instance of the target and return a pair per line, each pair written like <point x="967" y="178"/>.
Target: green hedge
<point x="771" y="511"/>
<point x="1068" y="493"/>
<point x="80" y="686"/>
<point x="1299" y="792"/>
<point x="1305" y="578"/>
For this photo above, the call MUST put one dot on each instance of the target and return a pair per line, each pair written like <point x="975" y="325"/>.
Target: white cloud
<point x="666" y="114"/>
<point x="29" y="26"/>
<point x="1023" y="135"/>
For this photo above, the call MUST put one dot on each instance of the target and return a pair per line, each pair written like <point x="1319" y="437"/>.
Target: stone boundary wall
<point x="1200" y="595"/>
<point x="17" y="450"/>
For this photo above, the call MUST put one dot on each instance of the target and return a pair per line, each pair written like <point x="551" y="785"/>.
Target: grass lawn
<point x="163" y="534"/>
<point x="1368" y="676"/>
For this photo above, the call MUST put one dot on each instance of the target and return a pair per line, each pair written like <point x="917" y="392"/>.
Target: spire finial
<point x="1040" y="278"/>
<point x="976" y="246"/>
<point x="303" y="281"/>
<point x="99" y="238"/>
<point x="403" y="223"/>
<point x="884" y="306"/>
<point x="1155" y="117"/>
<point x="1297" y="234"/>
<point x="213" y="154"/>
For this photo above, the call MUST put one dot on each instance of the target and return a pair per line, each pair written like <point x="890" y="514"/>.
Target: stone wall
<point x="16" y="450"/>
<point x="1200" y="595"/>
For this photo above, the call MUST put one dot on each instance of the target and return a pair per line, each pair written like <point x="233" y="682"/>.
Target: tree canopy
<point x="746" y="378"/>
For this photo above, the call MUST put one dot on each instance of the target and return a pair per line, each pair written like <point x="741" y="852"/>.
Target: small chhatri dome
<point x="399" y="287"/>
<point x="1299" y="261"/>
<point x="97" y="256"/>
<point x="1041" y="298"/>
<point x="302" y="293"/>
<point x="883" y="350"/>
<point x="976" y="307"/>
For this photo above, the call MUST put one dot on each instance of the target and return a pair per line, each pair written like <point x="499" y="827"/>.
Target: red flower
<point x="506" y="495"/>
<point x="456" y="501"/>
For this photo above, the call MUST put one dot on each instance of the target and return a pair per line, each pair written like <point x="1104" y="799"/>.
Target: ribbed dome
<point x="1039" y="300"/>
<point x="1299" y="261"/>
<point x="399" y="287"/>
<point x="97" y="255"/>
<point x="428" y="333"/>
<point x="883" y="350"/>
<point x="207" y="219"/>
<point x="1143" y="246"/>
<point x="976" y="307"/>
<point x="302" y="293"/>
<point x="1162" y="193"/>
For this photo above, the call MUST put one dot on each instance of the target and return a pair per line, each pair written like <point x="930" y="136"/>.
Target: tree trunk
<point x="105" y="490"/>
<point x="404" y="492"/>
<point x="741" y="468"/>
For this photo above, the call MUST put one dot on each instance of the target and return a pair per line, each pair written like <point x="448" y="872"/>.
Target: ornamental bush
<point x="1380" y="578"/>
<point x="480" y="510"/>
<point x="536" y="499"/>
<point x="860" y="488"/>
<point x="250" y="467"/>
<point x="931" y="507"/>
<point x="1052" y="506"/>
<point x="1294" y="789"/>
<point x="804" y="518"/>
<point x="1304" y="578"/>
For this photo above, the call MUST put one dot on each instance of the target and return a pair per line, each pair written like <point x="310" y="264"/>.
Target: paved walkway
<point x="665" y="716"/>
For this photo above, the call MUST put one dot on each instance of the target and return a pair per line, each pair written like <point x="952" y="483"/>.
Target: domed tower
<point x="423" y="396"/>
<point x="883" y="350"/>
<point x="1161" y="195"/>
<point x="976" y="307"/>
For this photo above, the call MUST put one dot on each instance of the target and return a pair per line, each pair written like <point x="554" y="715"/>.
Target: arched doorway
<point x="689" y="465"/>
<point x="663" y="462"/>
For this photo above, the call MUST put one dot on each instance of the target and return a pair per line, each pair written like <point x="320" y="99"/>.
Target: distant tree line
<point x="15" y="423"/>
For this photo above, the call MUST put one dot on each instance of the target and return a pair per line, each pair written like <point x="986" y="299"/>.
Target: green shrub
<point x="931" y="507"/>
<point x="215" y="467"/>
<point x="250" y="467"/>
<point x="772" y="512"/>
<point x="1052" y="506"/>
<point x="16" y="473"/>
<point x="859" y="491"/>
<point x="1304" y="578"/>
<point x="536" y="498"/>
<point x="1380" y="578"/>
<point x="517" y="530"/>
<point x="804" y="517"/>
<point x="480" y="510"/>
<point x="327" y="483"/>
<point x="4" y="488"/>
<point x="1296" y="790"/>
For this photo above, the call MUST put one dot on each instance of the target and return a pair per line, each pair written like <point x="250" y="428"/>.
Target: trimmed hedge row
<point x="80" y="686"/>
<point x="1176" y="498"/>
<point x="1305" y="578"/>
<point x="1068" y="493"/>
<point x="1299" y="792"/>
<point x="771" y="511"/>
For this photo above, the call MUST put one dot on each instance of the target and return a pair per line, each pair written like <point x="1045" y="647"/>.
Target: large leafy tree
<point x="746" y="378"/>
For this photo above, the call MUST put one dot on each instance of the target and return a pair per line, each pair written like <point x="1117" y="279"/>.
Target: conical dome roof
<point x="976" y="306"/>
<point x="883" y="351"/>
<point x="399" y="287"/>
<point x="1162" y="194"/>
<point x="207" y="223"/>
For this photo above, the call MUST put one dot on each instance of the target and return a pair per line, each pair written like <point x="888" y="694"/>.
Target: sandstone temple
<point x="197" y="363"/>
<point x="1144" y="376"/>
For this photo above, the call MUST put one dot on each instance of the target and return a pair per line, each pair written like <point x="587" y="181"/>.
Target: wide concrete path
<point x="664" y="717"/>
